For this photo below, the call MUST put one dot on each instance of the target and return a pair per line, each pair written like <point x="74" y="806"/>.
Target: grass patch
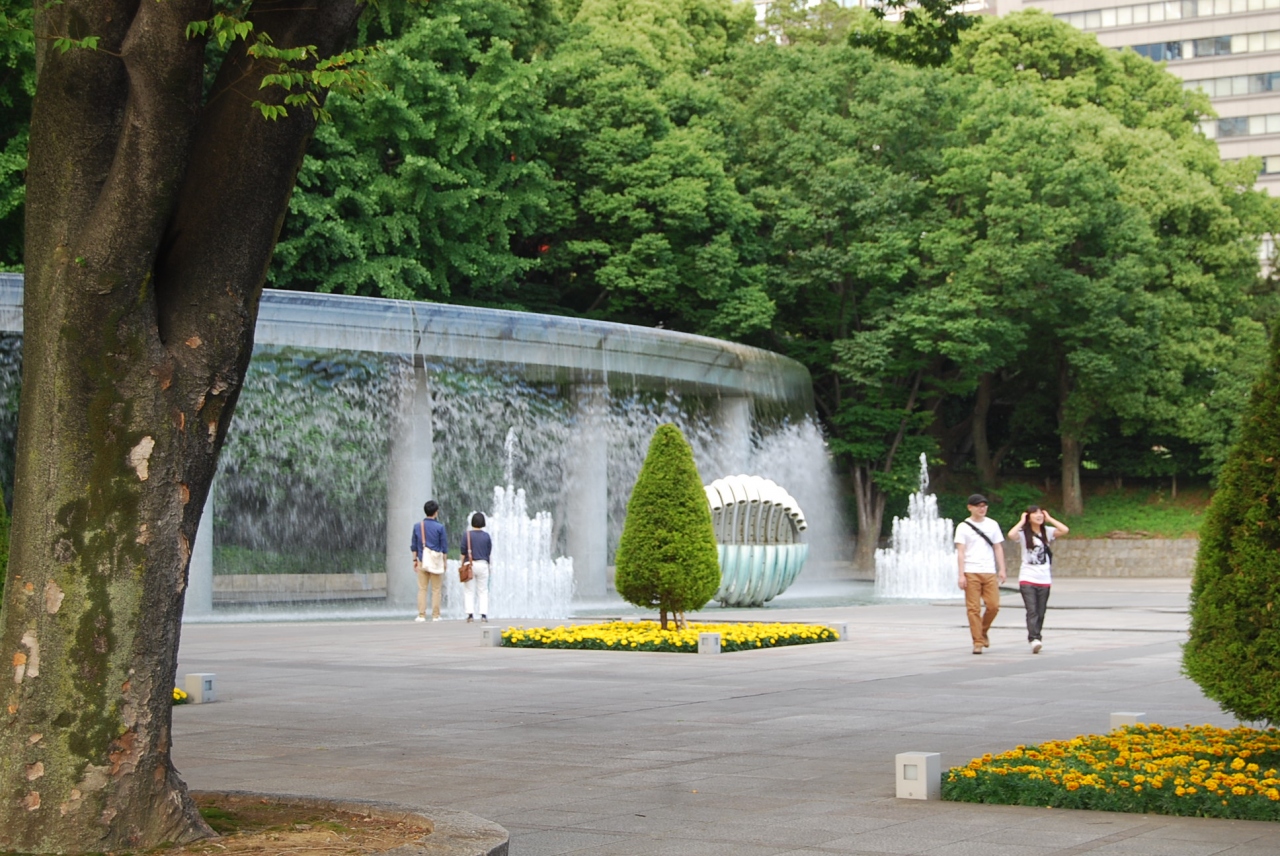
<point x="220" y="820"/>
<point x="648" y="636"/>
<point x="1147" y="513"/>
<point x="1199" y="771"/>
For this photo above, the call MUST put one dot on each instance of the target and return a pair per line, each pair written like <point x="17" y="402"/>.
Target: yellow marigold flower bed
<point x="648" y="636"/>
<point x="1199" y="771"/>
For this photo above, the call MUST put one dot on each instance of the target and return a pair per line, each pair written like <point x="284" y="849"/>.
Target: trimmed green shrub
<point x="1233" y="652"/>
<point x="667" y="554"/>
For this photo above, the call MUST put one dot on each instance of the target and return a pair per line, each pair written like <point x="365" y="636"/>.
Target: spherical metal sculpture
<point x="758" y="526"/>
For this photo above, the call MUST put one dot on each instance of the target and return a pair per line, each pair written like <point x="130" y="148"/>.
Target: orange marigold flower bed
<point x="1195" y="770"/>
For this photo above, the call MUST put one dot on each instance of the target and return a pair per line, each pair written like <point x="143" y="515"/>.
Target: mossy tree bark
<point x="152" y="213"/>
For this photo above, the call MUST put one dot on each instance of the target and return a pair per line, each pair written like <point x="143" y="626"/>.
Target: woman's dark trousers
<point x="1036" y="600"/>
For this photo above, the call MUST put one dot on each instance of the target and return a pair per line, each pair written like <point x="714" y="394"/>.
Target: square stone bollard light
<point x="919" y="775"/>
<point x="492" y="637"/>
<point x="708" y="643"/>
<point x="199" y="687"/>
<point x="1125" y="717"/>
<point x="842" y="631"/>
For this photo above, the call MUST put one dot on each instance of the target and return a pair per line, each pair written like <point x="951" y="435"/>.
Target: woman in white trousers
<point x="478" y="546"/>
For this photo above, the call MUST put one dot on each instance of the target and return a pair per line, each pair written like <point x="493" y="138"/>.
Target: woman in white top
<point x="1036" y="530"/>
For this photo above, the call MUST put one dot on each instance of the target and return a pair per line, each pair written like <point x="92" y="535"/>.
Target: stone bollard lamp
<point x="919" y="775"/>
<point x="200" y="687"/>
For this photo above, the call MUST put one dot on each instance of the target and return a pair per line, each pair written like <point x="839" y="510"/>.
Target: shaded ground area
<point x="762" y="753"/>
<point x="258" y="827"/>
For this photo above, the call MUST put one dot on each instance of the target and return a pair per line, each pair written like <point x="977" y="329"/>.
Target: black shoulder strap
<point x="982" y="534"/>
<point x="1044" y="536"/>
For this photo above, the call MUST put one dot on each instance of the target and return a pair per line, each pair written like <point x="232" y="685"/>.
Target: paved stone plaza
<point x="786" y="751"/>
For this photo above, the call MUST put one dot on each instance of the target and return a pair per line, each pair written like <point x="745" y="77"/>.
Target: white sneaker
<point x="1036" y="645"/>
<point x="435" y="618"/>
<point x="421" y="618"/>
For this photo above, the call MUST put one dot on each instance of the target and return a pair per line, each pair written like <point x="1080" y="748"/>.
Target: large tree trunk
<point x="870" y="502"/>
<point x="1071" y="434"/>
<point x="150" y="224"/>
<point x="1072" y="497"/>
<point x="981" y="449"/>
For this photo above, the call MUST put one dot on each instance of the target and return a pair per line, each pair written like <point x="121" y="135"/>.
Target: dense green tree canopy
<point x="431" y="185"/>
<point x="995" y="240"/>
<point x="17" y="85"/>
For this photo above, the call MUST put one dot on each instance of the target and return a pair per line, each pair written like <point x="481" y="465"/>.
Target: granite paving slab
<point x="763" y="753"/>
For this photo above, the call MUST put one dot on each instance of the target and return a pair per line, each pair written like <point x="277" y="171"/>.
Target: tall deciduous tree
<point x="834" y="148"/>
<point x="653" y="229"/>
<point x="1084" y="208"/>
<point x="152" y="211"/>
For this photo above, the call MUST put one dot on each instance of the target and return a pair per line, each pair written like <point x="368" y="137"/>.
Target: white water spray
<point x="921" y="559"/>
<point x="525" y="581"/>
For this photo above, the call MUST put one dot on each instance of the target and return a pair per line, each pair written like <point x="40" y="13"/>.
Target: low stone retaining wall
<point x="265" y="588"/>
<point x="1116" y="557"/>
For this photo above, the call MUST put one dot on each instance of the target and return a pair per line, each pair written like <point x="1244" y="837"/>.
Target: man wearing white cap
<point x="981" y="566"/>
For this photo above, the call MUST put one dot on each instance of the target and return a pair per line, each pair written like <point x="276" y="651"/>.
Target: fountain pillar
<point x="198" y="601"/>
<point x="733" y="422"/>
<point x="587" y="509"/>
<point x="409" y="485"/>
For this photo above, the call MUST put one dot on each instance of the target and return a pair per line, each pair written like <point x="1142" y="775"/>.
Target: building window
<point x="1160" y="51"/>
<point x="1149" y="13"/>
<point x="1240" y="84"/>
<point x="1271" y="165"/>
<point x="1216" y="46"/>
<point x="1241" y="126"/>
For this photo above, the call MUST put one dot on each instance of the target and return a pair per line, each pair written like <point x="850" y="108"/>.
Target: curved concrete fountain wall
<point x="589" y="357"/>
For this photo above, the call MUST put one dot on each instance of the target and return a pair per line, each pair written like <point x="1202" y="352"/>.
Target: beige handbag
<point x="432" y="562"/>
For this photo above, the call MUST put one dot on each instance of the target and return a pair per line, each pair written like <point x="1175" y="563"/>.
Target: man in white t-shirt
<point x="981" y="565"/>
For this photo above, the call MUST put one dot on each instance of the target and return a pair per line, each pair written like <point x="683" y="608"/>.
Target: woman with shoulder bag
<point x="477" y="547"/>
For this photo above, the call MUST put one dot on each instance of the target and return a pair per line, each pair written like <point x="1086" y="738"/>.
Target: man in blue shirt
<point x="430" y="546"/>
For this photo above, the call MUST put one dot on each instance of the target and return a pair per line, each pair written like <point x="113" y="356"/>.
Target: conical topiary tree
<point x="667" y="554"/>
<point x="1234" y="648"/>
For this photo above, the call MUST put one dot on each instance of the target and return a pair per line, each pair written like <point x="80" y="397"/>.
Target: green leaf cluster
<point x="1233" y="652"/>
<point x="17" y="86"/>
<point x="430" y="184"/>
<point x="667" y="557"/>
